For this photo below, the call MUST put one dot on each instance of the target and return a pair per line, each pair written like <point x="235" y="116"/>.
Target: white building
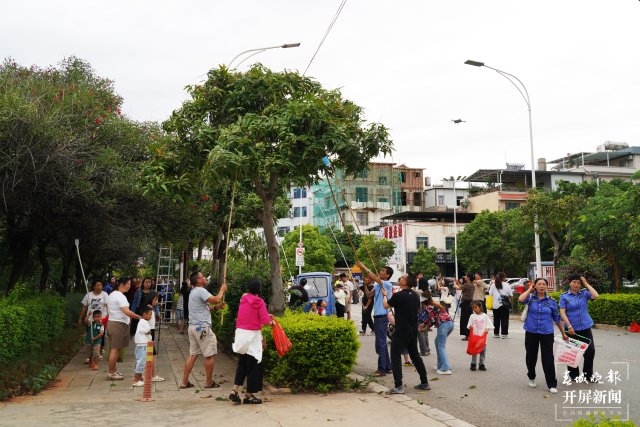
<point x="301" y="211"/>
<point x="437" y="197"/>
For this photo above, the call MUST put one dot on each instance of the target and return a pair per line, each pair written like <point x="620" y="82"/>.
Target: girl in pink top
<point x="252" y="315"/>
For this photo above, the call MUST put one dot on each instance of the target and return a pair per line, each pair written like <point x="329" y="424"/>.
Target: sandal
<point x="252" y="400"/>
<point x="187" y="385"/>
<point x="115" y="377"/>
<point x="234" y="397"/>
<point x="212" y="385"/>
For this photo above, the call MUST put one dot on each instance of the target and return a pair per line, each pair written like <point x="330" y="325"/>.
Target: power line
<point x="333" y="21"/>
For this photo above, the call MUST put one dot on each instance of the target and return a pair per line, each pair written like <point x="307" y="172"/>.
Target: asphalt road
<point x="501" y="395"/>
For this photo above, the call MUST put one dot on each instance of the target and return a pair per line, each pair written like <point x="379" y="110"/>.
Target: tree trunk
<point x="64" y="277"/>
<point x="201" y="247"/>
<point x="20" y="240"/>
<point x="277" y="304"/>
<point x="46" y="268"/>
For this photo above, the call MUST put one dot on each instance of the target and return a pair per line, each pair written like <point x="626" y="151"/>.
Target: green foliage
<point x="425" y="261"/>
<point x="323" y="351"/>
<point x="497" y="241"/>
<point x="267" y="130"/>
<point x="28" y="321"/>
<point x="588" y="264"/>
<point x="318" y="255"/>
<point x="45" y="376"/>
<point x="378" y="249"/>
<point x="340" y="244"/>
<point x="602" y="421"/>
<point x="615" y="309"/>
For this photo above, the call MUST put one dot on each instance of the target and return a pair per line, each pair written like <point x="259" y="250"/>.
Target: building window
<point x="382" y="180"/>
<point x="403" y="198"/>
<point x="440" y="199"/>
<point x="282" y="231"/>
<point x="422" y="242"/>
<point x="417" y="199"/>
<point x="383" y="200"/>
<point x="362" y="174"/>
<point x="362" y="194"/>
<point x="403" y="177"/>
<point x="299" y="193"/>
<point x="511" y="205"/>
<point x="417" y="175"/>
<point x="449" y="243"/>
<point x="459" y="200"/>
<point x="363" y="218"/>
<point x="300" y="212"/>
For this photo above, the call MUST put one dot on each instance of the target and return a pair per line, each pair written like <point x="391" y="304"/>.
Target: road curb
<point x="414" y="404"/>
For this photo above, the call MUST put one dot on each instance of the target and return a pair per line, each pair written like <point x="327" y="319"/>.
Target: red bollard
<point x="148" y="375"/>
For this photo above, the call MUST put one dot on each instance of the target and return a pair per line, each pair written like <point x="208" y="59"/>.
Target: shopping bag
<point x="490" y="302"/>
<point x="569" y="352"/>
<point x="476" y="343"/>
<point x="283" y="345"/>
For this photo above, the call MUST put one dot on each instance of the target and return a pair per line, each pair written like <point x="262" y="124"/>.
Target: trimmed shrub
<point x="28" y="320"/>
<point x="608" y="309"/>
<point x="323" y="351"/>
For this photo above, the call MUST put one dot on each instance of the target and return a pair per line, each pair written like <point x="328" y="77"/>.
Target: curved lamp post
<point x="257" y="51"/>
<point x="455" y="221"/>
<point x="525" y="95"/>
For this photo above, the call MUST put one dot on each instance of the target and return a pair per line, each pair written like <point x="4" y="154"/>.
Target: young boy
<point x="93" y="337"/>
<point x="142" y="337"/>
<point x="481" y="324"/>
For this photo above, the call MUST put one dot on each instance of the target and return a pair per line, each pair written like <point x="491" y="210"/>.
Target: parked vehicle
<point x="319" y="287"/>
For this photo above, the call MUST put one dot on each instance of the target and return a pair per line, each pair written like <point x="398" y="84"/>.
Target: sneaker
<point x="408" y="363"/>
<point x="553" y="390"/>
<point x="425" y="353"/>
<point x="138" y="383"/>
<point x="86" y="361"/>
<point x="506" y="337"/>
<point x="362" y="333"/>
<point x="441" y="372"/>
<point x="532" y="383"/>
<point x="397" y="390"/>
<point x="473" y="367"/>
<point x="435" y="367"/>
<point x="422" y="387"/>
<point x="465" y="339"/>
<point x="496" y="336"/>
<point x="100" y="357"/>
<point x="482" y="368"/>
<point x="379" y="374"/>
<point x="93" y="366"/>
<point x="157" y="379"/>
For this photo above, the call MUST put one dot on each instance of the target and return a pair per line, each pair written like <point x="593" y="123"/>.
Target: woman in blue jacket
<point x="575" y="315"/>
<point x="542" y="314"/>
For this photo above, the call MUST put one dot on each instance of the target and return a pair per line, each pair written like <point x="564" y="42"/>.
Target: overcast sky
<point x="400" y="60"/>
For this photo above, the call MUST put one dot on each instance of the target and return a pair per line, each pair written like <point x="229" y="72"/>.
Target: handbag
<point x="505" y="300"/>
<point x="449" y="299"/>
<point x="525" y="312"/>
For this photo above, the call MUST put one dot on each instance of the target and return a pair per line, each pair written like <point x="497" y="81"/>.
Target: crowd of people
<point x="128" y="307"/>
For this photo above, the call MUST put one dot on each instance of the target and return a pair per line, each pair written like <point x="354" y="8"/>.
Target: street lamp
<point x="455" y="220"/>
<point x="525" y="95"/>
<point x="259" y="50"/>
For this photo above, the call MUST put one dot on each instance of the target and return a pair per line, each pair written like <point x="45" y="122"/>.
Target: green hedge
<point x="608" y="309"/>
<point x="324" y="349"/>
<point x="28" y="320"/>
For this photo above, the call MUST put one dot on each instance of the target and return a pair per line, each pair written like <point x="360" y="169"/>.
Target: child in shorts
<point x="93" y="337"/>
<point x="142" y="337"/>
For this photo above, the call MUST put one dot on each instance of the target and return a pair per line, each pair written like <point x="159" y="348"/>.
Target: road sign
<point x="299" y="257"/>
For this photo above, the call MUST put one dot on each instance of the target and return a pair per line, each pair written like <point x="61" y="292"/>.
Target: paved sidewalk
<point x="85" y="397"/>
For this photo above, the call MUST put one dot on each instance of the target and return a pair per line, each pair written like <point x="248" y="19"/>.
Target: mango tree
<point x="271" y="129"/>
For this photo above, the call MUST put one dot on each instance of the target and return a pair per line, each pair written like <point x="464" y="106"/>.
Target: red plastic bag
<point x="476" y="342"/>
<point x="283" y="345"/>
<point x="634" y="327"/>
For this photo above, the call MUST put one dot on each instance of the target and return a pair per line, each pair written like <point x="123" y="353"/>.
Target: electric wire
<point x="333" y="21"/>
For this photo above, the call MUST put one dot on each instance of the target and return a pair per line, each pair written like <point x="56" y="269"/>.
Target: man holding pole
<point x="202" y="340"/>
<point x="380" y="319"/>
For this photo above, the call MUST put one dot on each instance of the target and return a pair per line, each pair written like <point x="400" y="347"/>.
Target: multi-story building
<point x="301" y="199"/>
<point x="440" y="197"/>
<point x="363" y="200"/>
<point x="611" y="160"/>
